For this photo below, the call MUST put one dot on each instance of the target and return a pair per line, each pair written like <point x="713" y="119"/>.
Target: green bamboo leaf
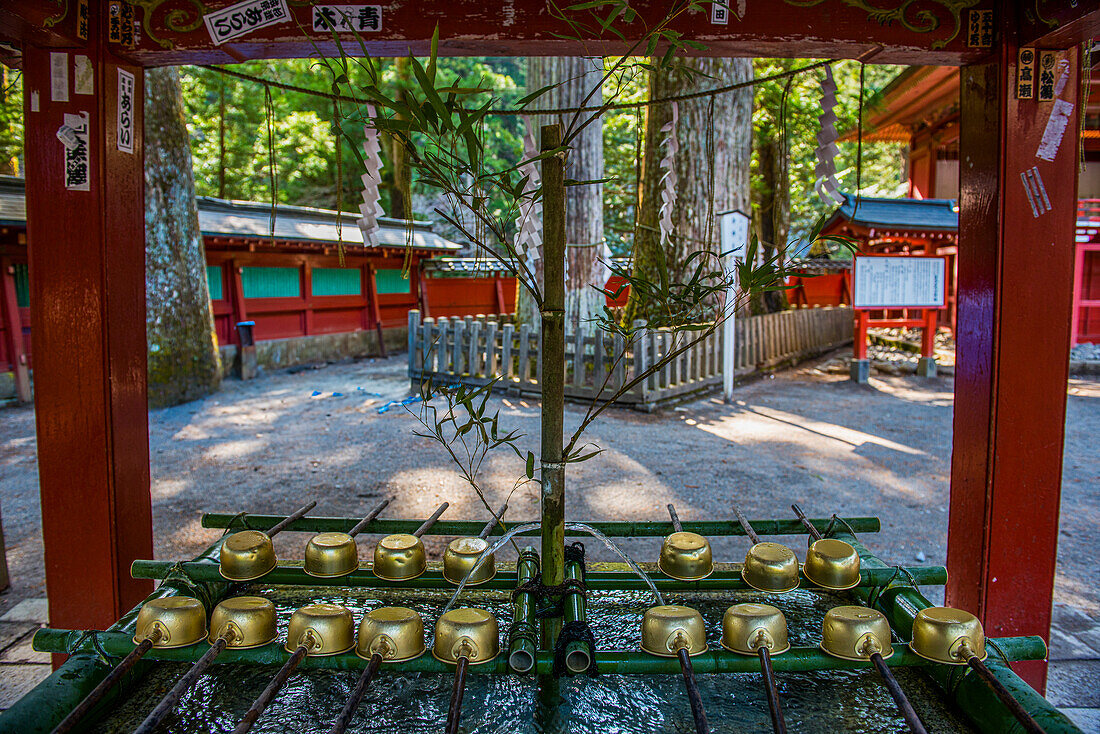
<point x="530" y="465"/>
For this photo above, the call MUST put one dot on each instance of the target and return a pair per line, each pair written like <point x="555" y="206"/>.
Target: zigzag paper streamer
<point x="668" y="177"/>
<point x="528" y="240"/>
<point x="826" y="184"/>
<point x="371" y="208"/>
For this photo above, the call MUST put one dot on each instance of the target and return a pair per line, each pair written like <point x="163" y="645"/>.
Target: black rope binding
<point x="575" y="632"/>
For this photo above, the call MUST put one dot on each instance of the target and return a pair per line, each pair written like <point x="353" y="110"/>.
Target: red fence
<point x="1086" y="285"/>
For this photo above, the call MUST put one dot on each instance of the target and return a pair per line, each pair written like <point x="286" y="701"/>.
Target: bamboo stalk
<point x="615" y="529"/>
<point x="552" y="359"/>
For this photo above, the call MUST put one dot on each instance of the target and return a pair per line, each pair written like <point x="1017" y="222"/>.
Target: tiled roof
<point x="917" y="215"/>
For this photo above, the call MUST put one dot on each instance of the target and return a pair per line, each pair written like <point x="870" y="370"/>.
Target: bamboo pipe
<point x="521" y="651"/>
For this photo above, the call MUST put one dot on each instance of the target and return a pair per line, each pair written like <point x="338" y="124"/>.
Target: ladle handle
<point x="697" y="711"/>
<point x="431" y="520"/>
<point x="454" y="713"/>
<point x="675" y="519"/>
<point x="485" y="531"/>
<point x="296" y="515"/>
<point x="745" y="524"/>
<point x="779" y="726"/>
<point x="358" y="527"/>
<point x="907" y="711"/>
<point x="271" y="691"/>
<point x="356" y="696"/>
<point x="806" y="522"/>
<point x="105" y="685"/>
<point x="1026" y="721"/>
<point x="158" y="714"/>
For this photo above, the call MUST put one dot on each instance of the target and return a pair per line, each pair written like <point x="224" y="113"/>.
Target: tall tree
<point x="179" y="326"/>
<point x="577" y="83"/>
<point x="712" y="166"/>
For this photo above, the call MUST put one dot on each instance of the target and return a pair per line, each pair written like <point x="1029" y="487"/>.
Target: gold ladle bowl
<point x="949" y="636"/>
<point x="400" y="557"/>
<point x="686" y="556"/>
<point x="395" y="633"/>
<point x="324" y="629"/>
<point x="466" y="633"/>
<point x="668" y="628"/>
<point x="770" y="567"/>
<point x="244" y="622"/>
<point x="172" y="621"/>
<point x="832" y="564"/>
<point x="855" y="633"/>
<point x="331" y="554"/>
<point x="748" y="627"/>
<point x="461" y="556"/>
<point x="246" y="555"/>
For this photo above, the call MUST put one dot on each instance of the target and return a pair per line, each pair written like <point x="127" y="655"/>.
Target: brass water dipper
<point x="954" y="637"/>
<point x="830" y="563"/>
<point x="401" y="557"/>
<point x="768" y="566"/>
<point x="329" y="555"/>
<point x="249" y="554"/>
<point x="172" y="621"/>
<point x="685" y="556"/>
<point x="241" y="622"/>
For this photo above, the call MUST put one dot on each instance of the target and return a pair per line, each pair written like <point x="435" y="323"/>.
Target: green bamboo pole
<point x="43" y="708"/>
<point x="625" y="662"/>
<point x="576" y="652"/>
<point x="597" y="579"/>
<point x="521" y="649"/>
<point x="466" y="529"/>
<point x="552" y="359"/>
<point x="900" y="602"/>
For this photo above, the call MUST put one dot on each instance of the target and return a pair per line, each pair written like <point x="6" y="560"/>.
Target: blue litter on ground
<point x="407" y="401"/>
<point x="315" y="393"/>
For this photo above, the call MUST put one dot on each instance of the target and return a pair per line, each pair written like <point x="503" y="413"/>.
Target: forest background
<point x="227" y="120"/>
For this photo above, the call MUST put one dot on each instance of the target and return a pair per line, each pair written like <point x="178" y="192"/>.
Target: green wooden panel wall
<point x="391" y="281"/>
<point x="271" y="282"/>
<point x="337" y="282"/>
<point x="214" y="282"/>
<point x="22" y="285"/>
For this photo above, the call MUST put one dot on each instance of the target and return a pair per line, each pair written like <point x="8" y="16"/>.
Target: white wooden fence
<point x="477" y="349"/>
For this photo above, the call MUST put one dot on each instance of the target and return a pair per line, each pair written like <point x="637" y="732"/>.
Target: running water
<point x="583" y="527"/>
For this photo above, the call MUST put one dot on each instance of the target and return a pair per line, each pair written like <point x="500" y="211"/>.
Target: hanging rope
<point x="826" y="184"/>
<point x="556" y="111"/>
<point x="669" y="180"/>
<point x="338" y="134"/>
<point x="269" y="113"/>
<point x="859" y="138"/>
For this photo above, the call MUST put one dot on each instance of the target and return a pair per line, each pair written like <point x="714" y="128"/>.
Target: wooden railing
<point x="476" y="350"/>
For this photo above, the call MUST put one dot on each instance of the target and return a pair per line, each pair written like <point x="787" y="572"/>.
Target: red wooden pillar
<point x="13" y="332"/>
<point x="87" y="282"/>
<point x="1015" y="280"/>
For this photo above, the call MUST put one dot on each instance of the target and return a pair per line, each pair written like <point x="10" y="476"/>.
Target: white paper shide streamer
<point x="528" y="240"/>
<point x="668" y="175"/>
<point x="826" y="184"/>
<point x="371" y="208"/>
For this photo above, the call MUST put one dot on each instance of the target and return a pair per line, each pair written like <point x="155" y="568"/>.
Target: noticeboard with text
<point x="899" y="281"/>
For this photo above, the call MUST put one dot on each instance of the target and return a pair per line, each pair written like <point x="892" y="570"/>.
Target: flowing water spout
<point x="575" y="526"/>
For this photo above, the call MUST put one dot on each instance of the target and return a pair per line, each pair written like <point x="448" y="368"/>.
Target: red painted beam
<point x="1015" y="276"/>
<point x="175" y="33"/>
<point x="87" y="281"/>
<point x="14" y="346"/>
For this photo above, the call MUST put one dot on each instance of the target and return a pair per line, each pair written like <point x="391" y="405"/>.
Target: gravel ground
<point x="800" y="436"/>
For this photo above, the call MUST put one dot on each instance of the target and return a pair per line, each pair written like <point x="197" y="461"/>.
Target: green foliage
<point x="883" y="164"/>
<point x="622" y="140"/>
<point x="11" y="121"/>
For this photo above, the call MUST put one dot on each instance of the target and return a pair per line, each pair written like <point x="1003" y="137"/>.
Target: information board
<point x="900" y="281"/>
